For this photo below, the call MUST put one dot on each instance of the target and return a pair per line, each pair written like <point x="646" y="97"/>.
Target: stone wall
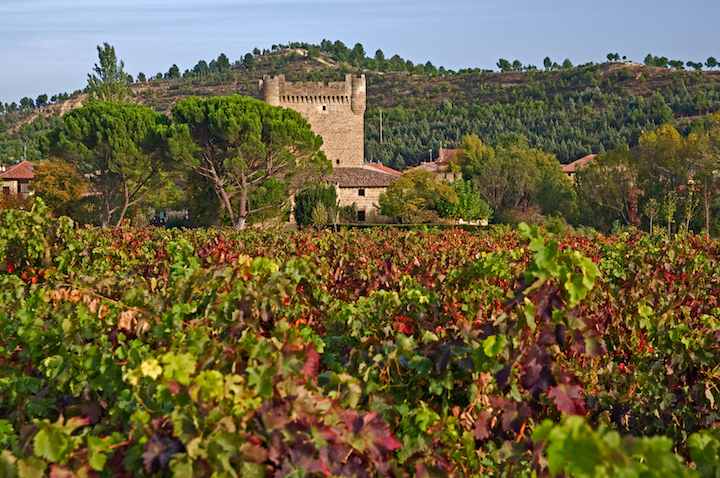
<point x="335" y="111"/>
<point x="369" y="203"/>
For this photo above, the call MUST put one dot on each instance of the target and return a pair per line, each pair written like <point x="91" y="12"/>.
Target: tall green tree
<point x="611" y="181"/>
<point x="469" y="205"/>
<point x="492" y="181"/>
<point x="668" y="163"/>
<point x="27" y="104"/>
<point x="708" y="164"/>
<point x="221" y="64"/>
<point x="60" y="186"/>
<point x="667" y="157"/>
<point x="358" y="52"/>
<point x="473" y="155"/>
<point x="248" y="60"/>
<point x="119" y="147"/>
<point x="110" y="82"/>
<point x="174" y="72"/>
<point x="701" y="101"/>
<point x="517" y="181"/>
<point x="504" y="65"/>
<point x="201" y="69"/>
<point x="307" y="201"/>
<point x="202" y="201"/>
<point x="241" y="143"/>
<point x="415" y="196"/>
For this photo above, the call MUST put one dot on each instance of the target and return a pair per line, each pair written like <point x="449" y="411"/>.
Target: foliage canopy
<point x="241" y="143"/>
<point x="110" y="82"/>
<point x="120" y="148"/>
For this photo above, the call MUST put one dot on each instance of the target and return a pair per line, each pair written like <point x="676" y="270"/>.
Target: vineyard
<point x="149" y="352"/>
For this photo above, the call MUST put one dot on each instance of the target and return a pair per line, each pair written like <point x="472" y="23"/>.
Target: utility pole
<point x="380" y="125"/>
<point x="431" y="155"/>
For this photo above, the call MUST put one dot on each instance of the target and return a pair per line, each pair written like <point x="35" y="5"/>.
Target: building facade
<point x="335" y="111"/>
<point x="16" y="179"/>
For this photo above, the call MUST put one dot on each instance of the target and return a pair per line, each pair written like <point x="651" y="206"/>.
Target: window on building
<point x="324" y="107"/>
<point x="337" y="161"/>
<point x="361" y="216"/>
<point x="361" y="192"/>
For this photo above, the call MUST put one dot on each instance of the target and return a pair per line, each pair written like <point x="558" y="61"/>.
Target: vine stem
<point x="134" y="309"/>
<point x="522" y="432"/>
<point x="122" y="443"/>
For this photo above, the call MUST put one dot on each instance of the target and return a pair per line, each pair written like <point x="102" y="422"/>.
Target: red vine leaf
<point x="502" y="377"/>
<point x="537" y="375"/>
<point x="568" y="399"/>
<point x="482" y="426"/>
<point x="174" y="387"/>
<point x="312" y="363"/>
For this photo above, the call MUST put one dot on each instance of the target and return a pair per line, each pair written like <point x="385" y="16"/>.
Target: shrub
<point x="306" y="201"/>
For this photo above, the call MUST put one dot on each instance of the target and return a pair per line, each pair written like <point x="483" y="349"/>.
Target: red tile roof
<point x="361" y="178"/>
<point x="24" y="170"/>
<point x="580" y="163"/>
<point x="381" y="168"/>
<point x="430" y="166"/>
<point x="447" y="155"/>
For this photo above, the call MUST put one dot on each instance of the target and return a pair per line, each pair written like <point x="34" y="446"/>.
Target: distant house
<point x="441" y="166"/>
<point x="360" y="188"/>
<point x="382" y="168"/>
<point x="16" y="178"/>
<point x="575" y="166"/>
<point x="445" y="157"/>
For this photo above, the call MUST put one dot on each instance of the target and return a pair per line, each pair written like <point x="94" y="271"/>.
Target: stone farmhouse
<point x="15" y="179"/>
<point x="572" y="168"/>
<point x="441" y="166"/>
<point x="336" y="112"/>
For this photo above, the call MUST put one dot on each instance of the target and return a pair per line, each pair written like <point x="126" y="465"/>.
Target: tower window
<point x="361" y="192"/>
<point x="324" y="107"/>
<point x="337" y="161"/>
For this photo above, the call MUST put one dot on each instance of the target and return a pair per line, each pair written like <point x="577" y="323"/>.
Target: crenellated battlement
<point x="315" y="99"/>
<point x="334" y="110"/>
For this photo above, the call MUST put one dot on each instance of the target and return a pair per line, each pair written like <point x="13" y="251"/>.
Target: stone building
<point x="442" y="166"/>
<point x="16" y="179"/>
<point x="572" y="168"/>
<point x="336" y="112"/>
<point x="360" y="188"/>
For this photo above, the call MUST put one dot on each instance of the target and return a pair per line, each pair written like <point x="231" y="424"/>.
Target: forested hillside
<point x="565" y="110"/>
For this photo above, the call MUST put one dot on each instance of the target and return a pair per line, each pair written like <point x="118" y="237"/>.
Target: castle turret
<point x="357" y="98"/>
<point x="335" y="111"/>
<point x="270" y="88"/>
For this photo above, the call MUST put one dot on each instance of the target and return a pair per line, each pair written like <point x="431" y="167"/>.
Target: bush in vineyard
<point x="127" y="352"/>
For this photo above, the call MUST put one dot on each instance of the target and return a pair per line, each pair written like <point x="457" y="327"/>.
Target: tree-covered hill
<point x="565" y="110"/>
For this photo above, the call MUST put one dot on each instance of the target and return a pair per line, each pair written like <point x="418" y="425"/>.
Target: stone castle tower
<point x="335" y="111"/>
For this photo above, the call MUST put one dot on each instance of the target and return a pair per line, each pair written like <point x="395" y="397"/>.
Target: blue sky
<point x="49" y="46"/>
